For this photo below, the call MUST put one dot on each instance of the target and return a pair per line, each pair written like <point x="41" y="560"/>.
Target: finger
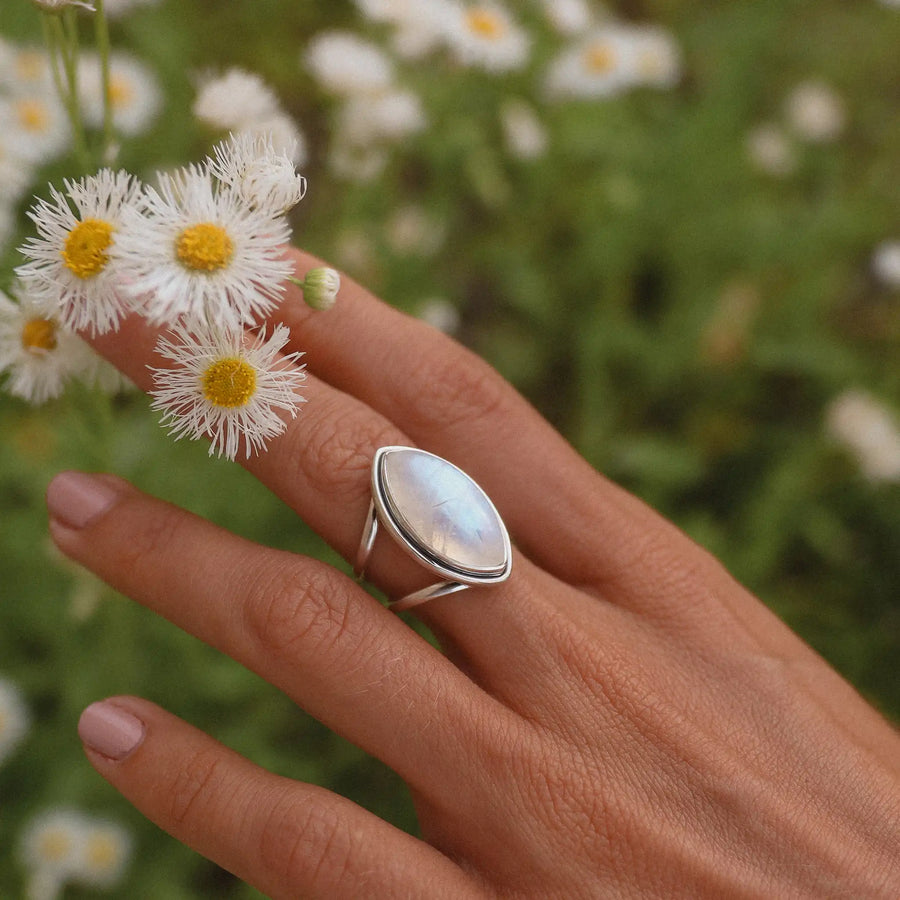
<point x="296" y="621"/>
<point x="320" y="466"/>
<point x="565" y="516"/>
<point x="286" y="838"/>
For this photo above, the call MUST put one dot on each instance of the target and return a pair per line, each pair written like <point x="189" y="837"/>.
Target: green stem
<point x="101" y="36"/>
<point x="61" y="34"/>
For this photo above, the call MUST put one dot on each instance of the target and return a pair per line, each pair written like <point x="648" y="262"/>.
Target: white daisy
<point x="441" y="314"/>
<point x="523" y="131"/>
<point x="105" y="854"/>
<point x="418" y="24"/>
<point x="345" y="64"/>
<point x="886" y="263"/>
<point x="197" y="250"/>
<point x="411" y="231"/>
<point x="263" y="178"/>
<point x="72" y="268"/>
<point x="569" y="17"/>
<point x="15" y="174"/>
<point x="234" y="100"/>
<point x="816" y="112"/>
<point x="25" y="69"/>
<point x="34" y="126"/>
<point x="228" y="386"/>
<point x="656" y="57"/>
<point x="390" y="116"/>
<point x="52" y="843"/>
<point x="485" y="35"/>
<point x="602" y="65"/>
<point x="134" y="93"/>
<point x="869" y="431"/>
<point x="770" y="150"/>
<point x="38" y="355"/>
<point x="15" y="719"/>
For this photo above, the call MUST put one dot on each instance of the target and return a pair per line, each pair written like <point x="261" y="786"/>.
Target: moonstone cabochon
<point x="441" y="514"/>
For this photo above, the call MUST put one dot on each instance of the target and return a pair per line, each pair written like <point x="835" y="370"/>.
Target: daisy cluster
<point x="34" y="128"/>
<point x="65" y="846"/>
<point x="200" y="255"/>
<point x="592" y="58"/>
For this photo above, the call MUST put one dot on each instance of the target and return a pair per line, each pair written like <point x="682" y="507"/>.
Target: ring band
<point x="440" y="517"/>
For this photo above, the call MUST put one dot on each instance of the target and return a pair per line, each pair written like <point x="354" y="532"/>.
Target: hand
<point x="619" y="718"/>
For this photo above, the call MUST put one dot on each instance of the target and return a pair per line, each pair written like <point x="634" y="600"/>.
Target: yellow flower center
<point x="204" y="247"/>
<point x="600" y="59"/>
<point x="485" y="23"/>
<point x="121" y="92"/>
<point x="102" y="852"/>
<point x="55" y="845"/>
<point x="33" y="115"/>
<point x="39" y="336"/>
<point x="229" y="383"/>
<point x="85" y="251"/>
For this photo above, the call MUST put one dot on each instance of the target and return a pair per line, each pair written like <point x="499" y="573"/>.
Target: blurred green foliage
<point x="682" y="317"/>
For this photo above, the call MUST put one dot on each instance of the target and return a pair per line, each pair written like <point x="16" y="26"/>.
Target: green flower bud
<point x="320" y="287"/>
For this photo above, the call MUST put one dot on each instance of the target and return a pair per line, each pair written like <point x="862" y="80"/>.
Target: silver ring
<point x="440" y="517"/>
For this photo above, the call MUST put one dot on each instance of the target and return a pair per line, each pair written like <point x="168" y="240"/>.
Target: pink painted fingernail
<point x="76" y="498"/>
<point x="109" y="730"/>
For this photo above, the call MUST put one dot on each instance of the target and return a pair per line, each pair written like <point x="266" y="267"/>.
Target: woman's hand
<point x="618" y="719"/>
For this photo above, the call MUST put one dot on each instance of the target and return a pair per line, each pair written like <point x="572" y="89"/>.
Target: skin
<point x="619" y="719"/>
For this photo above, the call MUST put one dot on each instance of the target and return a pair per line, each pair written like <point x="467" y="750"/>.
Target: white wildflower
<point x="523" y="131"/>
<point x="34" y="126"/>
<point x="197" y="250"/>
<point x="38" y="355"/>
<point x="347" y="65"/>
<point x="72" y="268"/>
<point x="569" y="17"/>
<point x="440" y="314"/>
<point x="656" y="57"/>
<point x="411" y="231"/>
<point x="815" y="112"/>
<point x="770" y="150"/>
<point x="25" y="69"/>
<point x="116" y="8"/>
<point x="484" y="34"/>
<point x="390" y="116"/>
<point x="58" y="5"/>
<point x="418" y="24"/>
<point x="134" y="93"/>
<point x="262" y="177"/>
<point x="52" y="843"/>
<point x="234" y="100"/>
<point x="105" y="854"/>
<point x="601" y="65"/>
<point x="886" y="263"/>
<point x="15" y="719"/>
<point x="869" y="431"/>
<point x="228" y="386"/>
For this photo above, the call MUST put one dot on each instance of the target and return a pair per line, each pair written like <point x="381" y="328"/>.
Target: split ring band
<point x="440" y="517"/>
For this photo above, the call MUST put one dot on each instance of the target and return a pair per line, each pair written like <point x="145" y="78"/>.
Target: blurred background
<point x="674" y="225"/>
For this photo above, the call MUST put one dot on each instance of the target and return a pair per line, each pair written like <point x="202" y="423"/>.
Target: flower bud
<point x="320" y="287"/>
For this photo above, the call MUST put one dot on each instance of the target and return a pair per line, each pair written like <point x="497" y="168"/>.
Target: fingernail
<point x="76" y="498"/>
<point x="109" y="730"/>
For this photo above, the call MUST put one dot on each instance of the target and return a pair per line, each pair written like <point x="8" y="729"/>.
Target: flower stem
<point x="61" y="36"/>
<point x="101" y="36"/>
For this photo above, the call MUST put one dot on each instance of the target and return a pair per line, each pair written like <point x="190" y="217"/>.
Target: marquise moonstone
<point x="444" y="511"/>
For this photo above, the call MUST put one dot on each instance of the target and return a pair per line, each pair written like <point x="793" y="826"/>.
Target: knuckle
<point x="193" y="782"/>
<point x="307" y="845"/>
<point x="287" y="609"/>
<point x="340" y="450"/>
<point x="149" y="537"/>
<point x="457" y="391"/>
